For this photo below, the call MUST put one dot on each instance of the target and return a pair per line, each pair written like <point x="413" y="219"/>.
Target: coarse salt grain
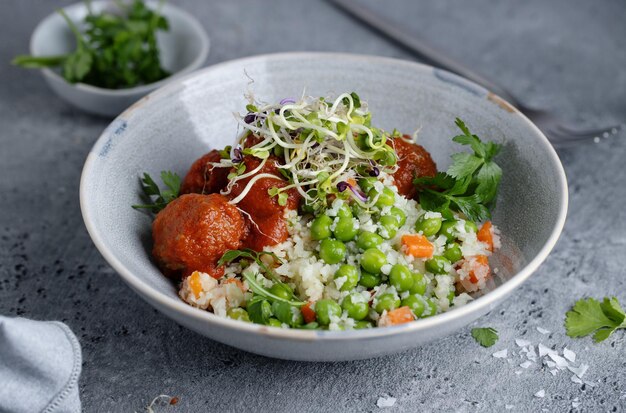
<point x="540" y="394"/>
<point x="526" y="364"/>
<point x="569" y="354"/>
<point x="385" y="401"/>
<point x="502" y="354"/>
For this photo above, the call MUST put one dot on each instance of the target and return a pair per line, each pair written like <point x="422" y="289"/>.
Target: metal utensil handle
<point x="416" y="46"/>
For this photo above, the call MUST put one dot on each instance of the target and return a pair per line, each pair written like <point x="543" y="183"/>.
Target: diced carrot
<point x="351" y="181"/>
<point x="236" y="281"/>
<point x="399" y="316"/>
<point x="417" y="245"/>
<point x="481" y="260"/>
<point x="308" y="313"/>
<point x="195" y="284"/>
<point x="485" y="235"/>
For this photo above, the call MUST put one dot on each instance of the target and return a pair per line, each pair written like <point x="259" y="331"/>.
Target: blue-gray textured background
<point x="567" y="55"/>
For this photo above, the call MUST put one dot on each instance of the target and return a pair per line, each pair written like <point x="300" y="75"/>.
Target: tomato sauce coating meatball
<point x="413" y="162"/>
<point x="204" y="178"/>
<point x="194" y="231"/>
<point x="266" y="222"/>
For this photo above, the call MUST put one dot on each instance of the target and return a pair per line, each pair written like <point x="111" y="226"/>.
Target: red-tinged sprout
<point x="343" y="185"/>
<point x="287" y="100"/>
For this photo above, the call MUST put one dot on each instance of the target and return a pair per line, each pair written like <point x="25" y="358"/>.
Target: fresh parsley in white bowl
<point x="102" y="56"/>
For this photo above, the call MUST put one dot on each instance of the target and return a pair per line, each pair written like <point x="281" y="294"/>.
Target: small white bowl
<point x="183" y="48"/>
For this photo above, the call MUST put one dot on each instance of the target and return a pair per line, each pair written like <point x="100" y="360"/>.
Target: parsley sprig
<point x="116" y="50"/>
<point x="163" y="197"/>
<point x="485" y="336"/>
<point x="590" y="316"/>
<point x="471" y="183"/>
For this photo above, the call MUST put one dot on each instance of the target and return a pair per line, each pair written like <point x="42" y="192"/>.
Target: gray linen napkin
<point x="40" y="362"/>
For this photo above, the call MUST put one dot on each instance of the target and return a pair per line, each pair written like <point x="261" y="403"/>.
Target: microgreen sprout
<point x="319" y="142"/>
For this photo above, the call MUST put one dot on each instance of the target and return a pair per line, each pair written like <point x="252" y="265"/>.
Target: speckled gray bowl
<point x="183" y="48"/>
<point x="173" y="126"/>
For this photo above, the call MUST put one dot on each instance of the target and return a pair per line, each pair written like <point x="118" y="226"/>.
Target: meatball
<point x="413" y="162"/>
<point x="265" y="217"/>
<point x="204" y="178"/>
<point x="194" y="231"/>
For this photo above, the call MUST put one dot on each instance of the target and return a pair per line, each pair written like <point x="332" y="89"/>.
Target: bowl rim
<point x="143" y="89"/>
<point x="178" y="306"/>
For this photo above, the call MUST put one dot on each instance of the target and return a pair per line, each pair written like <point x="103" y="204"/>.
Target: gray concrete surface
<point x="566" y="55"/>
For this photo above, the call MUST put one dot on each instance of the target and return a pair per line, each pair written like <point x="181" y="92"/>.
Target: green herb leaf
<point x="589" y="316"/>
<point x="471" y="183"/>
<point x="163" y="197"/>
<point x="485" y="336"/>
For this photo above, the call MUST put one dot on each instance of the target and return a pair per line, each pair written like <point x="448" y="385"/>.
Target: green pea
<point x="431" y="308"/>
<point x="320" y="228"/>
<point x="471" y="226"/>
<point x="356" y="306"/>
<point x="311" y="326"/>
<point x="438" y="265"/>
<point x="451" y="296"/>
<point x="325" y="309"/>
<point x="351" y="275"/>
<point x="389" y="227"/>
<point x="287" y="313"/>
<point x="344" y="211"/>
<point x="367" y="184"/>
<point x="420" y="282"/>
<point x="428" y="226"/>
<point x="372" y="260"/>
<point x="447" y="229"/>
<point x="273" y="322"/>
<point x="385" y="198"/>
<point x="345" y="230"/>
<point x="369" y="280"/>
<point x="399" y="215"/>
<point x="416" y="303"/>
<point x="332" y="251"/>
<point x="387" y="302"/>
<point x="282" y="291"/>
<point x="453" y="252"/>
<point x="400" y="277"/>
<point x="367" y="239"/>
<point x="360" y="325"/>
<point x="238" y="314"/>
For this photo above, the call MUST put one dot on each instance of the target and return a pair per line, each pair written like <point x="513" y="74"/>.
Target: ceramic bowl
<point x="183" y="48"/>
<point x="173" y="126"/>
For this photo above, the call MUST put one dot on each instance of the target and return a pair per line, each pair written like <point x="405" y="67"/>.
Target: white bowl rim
<point x="143" y="89"/>
<point x="179" y="306"/>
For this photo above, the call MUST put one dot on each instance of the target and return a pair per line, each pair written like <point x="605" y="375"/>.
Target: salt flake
<point x="543" y="330"/>
<point x="543" y="350"/>
<point x="541" y="393"/>
<point x="569" y="354"/>
<point x="526" y="364"/>
<point x="554" y="372"/>
<point x="576" y="380"/>
<point x="579" y="371"/>
<point x="561" y="363"/>
<point x="521" y="342"/>
<point x="385" y="401"/>
<point x="502" y="354"/>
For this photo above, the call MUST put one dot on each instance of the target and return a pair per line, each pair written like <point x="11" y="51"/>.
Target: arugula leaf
<point x="485" y="336"/>
<point x="232" y="255"/>
<point x="471" y="183"/>
<point x="589" y="316"/>
<point x="259" y="310"/>
<point x="163" y="197"/>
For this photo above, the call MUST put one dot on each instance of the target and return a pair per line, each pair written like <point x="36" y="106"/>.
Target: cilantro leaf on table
<point x="471" y="183"/>
<point x="163" y="196"/>
<point x="590" y="316"/>
<point x="485" y="336"/>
